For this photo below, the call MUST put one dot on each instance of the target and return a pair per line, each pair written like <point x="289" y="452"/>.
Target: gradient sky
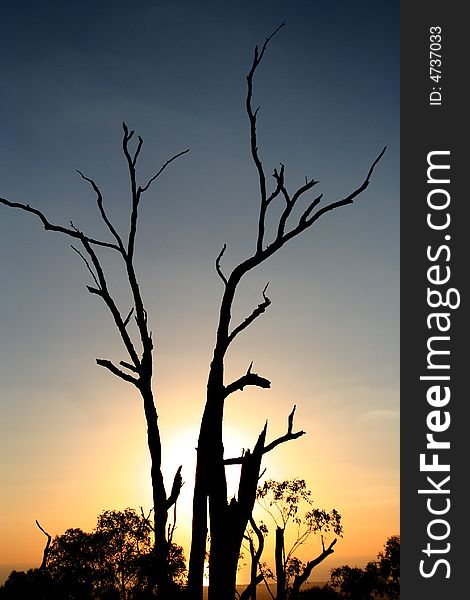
<point x="72" y="437"/>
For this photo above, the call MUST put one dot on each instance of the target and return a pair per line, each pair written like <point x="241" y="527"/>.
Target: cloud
<point x="380" y="415"/>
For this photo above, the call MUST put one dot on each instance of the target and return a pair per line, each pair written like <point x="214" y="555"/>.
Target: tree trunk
<point x="280" y="566"/>
<point x="197" y="555"/>
<point x="228" y="525"/>
<point x="253" y="573"/>
<point x="210" y="483"/>
<point x="227" y="522"/>
<point x="162" y="577"/>
<point x="222" y="565"/>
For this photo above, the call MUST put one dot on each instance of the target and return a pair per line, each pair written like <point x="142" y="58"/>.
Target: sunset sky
<point x="72" y="437"/>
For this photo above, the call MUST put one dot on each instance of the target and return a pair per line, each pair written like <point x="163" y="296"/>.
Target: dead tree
<point x="47" y="547"/>
<point x="228" y="519"/>
<point x="282" y="501"/>
<point x="137" y="369"/>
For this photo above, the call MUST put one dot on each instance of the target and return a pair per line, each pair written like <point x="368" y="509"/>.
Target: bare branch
<point x="255" y="557"/>
<point x="127" y="134"/>
<point x="249" y="378"/>
<point x="96" y="291"/>
<point x="99" y="200"/>
<point x="289" y="435"/>
<point x="279" y="177"/>
<point x="259" y="310"/>
<point x="147" y="518"/>
<point x="290" y="202"/>
<point x="127" y="365"/>
<point x="176" y="488"/>
<point x="268" y="39"/>
<point x="162" y="168"/>
<point x="104" y="293"/>
<point x="135" y="194"/>
<point x="91" y="290"/>
<point x="302" y="577"/>
<point x="268" y="587"/>
<point x="137" y="152"/>
<point x="59" y="228"/>
<point x="128" y="318"/>
<point x="304" y="188"/>
<point x="172" y="527"/>
<point x="306" y="219"/>
<point x="46" y="548"/>
<point x="217" y="264"/>
<point x="252" y="115"/>
<point x="116" y="371"/>
<point x="234" y="461"/>
<point x="307" y="222"/>
<point x="310" y="207"/>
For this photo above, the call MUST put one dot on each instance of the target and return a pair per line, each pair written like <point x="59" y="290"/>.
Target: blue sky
<point x="72" y="437"/>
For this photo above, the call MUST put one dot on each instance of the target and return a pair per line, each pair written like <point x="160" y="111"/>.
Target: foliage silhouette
<point x="283" y="501"/>
<point x="115" y="561"/>
<point x="380" y="578"/>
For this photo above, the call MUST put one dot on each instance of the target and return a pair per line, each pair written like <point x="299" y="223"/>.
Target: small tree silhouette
<point x="114" y="561"/>
<point x="380" y="578"/>
<point x="282" y="501"/>
<point x="228" y="519"/>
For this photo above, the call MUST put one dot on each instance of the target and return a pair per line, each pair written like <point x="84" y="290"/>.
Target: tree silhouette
<point x="283" y="501"/>
<point x="228" y="519"/>
<point x="139" y="346"/>
<point x="380" y="578"/>
<point x="116" y="560"/>
<point x="388" y="561"/>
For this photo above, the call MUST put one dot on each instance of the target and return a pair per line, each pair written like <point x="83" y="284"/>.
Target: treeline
<point x="116" y="561"/>
<point x="379" y="578"/>
<point x="113" y="562"/>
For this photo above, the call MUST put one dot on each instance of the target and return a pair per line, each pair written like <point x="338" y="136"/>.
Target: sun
<point x="180" y="449"/>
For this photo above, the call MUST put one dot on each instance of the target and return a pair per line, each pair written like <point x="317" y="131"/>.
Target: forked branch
<point x="137" y="190"/>
<point x="217" y="264"/>
<point x="302" y="577"/>
<point x="307" y="218"/>
<point x="289" y="435"/>
<point x="48" y="226"/>
<point x="252" y="115"/>
<point x="259" y="310"/>
<point x="104" y="216"/>
<point x="264" y="449"/>
<point x="107" y="364"/>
